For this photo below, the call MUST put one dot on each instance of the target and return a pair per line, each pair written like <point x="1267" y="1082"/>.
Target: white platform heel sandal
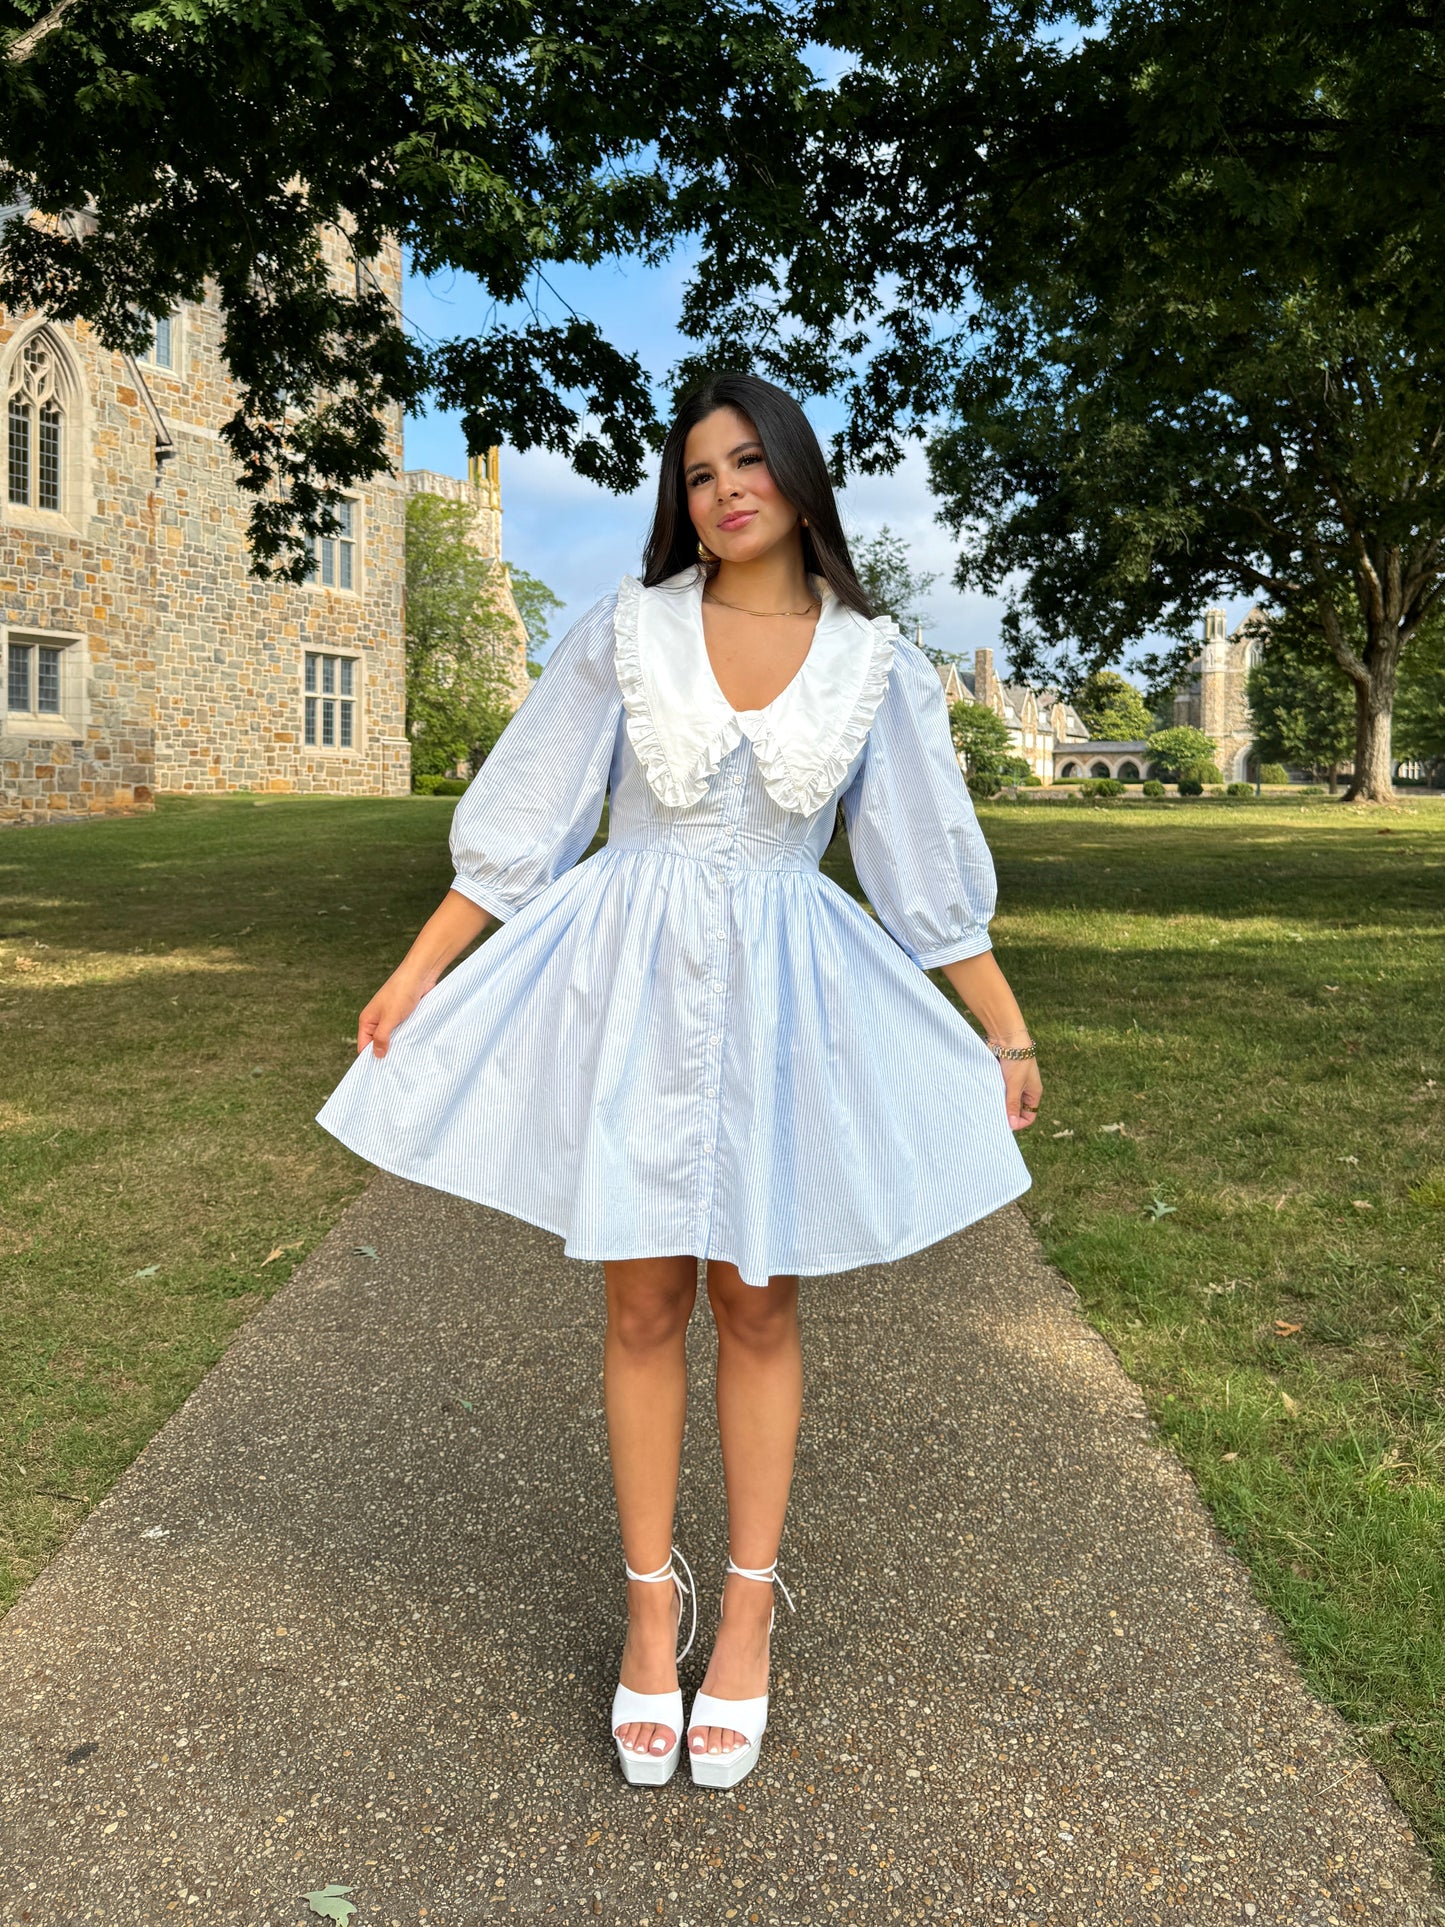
<point x="748" y="1717"/>
<point x="658" y="1709"/>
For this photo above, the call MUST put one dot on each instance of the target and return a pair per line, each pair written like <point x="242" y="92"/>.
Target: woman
<point x="693" y="1045"/>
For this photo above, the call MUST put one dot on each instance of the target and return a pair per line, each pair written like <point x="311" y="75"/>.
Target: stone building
<point x="1039" y="721"/>
<point x="1214" y="696"/>
<point x="1052" y="738"/>
<point x="140" y="654"/>
<point x="481" y="492"/>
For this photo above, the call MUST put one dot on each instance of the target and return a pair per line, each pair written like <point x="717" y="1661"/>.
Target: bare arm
<point x="985" y="991"/>
<point x="455" y="923"/>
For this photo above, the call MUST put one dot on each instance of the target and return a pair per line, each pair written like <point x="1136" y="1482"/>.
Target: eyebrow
<point x="692" y="467"/>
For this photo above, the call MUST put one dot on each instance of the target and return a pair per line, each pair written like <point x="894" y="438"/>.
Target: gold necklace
<point x="740" y="610"/>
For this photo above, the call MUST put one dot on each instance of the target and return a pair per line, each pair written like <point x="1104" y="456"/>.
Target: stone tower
<point x="481" y="492"/>
<point x="1215" y="697"/>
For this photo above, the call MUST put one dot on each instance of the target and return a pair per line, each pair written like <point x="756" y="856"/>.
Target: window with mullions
<point x="32" y="679"/>
<point x="333" y="557"/>
<point x="35" y="428"/>
<point x="330" y="700"/>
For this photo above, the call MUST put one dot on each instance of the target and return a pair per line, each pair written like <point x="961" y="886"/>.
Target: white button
<point x="713" y="1038"/>
<point x="736" y="781"/>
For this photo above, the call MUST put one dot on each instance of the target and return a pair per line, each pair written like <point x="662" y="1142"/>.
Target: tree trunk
<point x="1373" y="780"/>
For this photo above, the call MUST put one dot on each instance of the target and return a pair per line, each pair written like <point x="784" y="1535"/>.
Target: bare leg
<point x="759" y="1405"/>
<point x="644" y="1377"/>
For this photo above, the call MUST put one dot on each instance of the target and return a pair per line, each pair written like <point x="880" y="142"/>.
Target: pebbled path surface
<point x="353" y="1616"/>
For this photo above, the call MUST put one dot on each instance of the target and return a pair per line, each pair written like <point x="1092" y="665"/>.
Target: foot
<point x="649" y="1660"/>
<point x="738" y="1669"/>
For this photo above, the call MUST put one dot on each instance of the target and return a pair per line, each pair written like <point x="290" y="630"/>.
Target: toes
<point x="640" y="1737"/>
<point x="714" y="1739"/>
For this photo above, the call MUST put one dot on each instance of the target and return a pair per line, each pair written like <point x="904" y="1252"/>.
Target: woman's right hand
<point x="395" y="1001"/>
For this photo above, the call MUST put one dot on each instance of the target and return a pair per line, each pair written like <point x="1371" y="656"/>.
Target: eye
<point x="745" y="460"/>
<point x="695" y="481"/>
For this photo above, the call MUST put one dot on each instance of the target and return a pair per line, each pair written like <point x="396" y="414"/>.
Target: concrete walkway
<point x="354" y="1615"/>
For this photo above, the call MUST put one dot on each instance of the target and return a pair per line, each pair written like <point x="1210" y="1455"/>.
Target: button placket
<point x="714" y="1011"/>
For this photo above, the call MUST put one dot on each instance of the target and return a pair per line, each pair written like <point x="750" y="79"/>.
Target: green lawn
<point x="1240" y="1018"/>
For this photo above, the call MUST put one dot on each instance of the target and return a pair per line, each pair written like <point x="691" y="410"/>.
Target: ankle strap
<point x="684" y="1592"/>
<point x="768" y="1574"/>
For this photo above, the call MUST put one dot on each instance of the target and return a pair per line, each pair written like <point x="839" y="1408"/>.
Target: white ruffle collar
<point x="681" y="725"/>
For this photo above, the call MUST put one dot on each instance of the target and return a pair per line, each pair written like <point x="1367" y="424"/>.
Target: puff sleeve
<point x="917" y="847"/>
<point x="534" y="805"/>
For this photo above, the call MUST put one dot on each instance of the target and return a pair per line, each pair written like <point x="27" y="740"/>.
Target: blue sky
<point x="580" y="538"/>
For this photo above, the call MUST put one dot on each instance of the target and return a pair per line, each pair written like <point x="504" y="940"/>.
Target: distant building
<point x="1051" y="737"/>
<point x="482" y="494"/>
<point x="1039" y="721"/>
<point x="1214" y="696"/>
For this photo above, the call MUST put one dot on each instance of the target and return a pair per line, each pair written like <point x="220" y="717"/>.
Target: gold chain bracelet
<point x="1015" y="1053"/>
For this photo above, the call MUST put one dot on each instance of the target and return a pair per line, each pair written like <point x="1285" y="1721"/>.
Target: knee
<point x="757" y="1318"/>
<point x="649" y="1318"/>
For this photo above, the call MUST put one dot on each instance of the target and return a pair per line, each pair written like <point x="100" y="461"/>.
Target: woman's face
<point x="733" y="500"/>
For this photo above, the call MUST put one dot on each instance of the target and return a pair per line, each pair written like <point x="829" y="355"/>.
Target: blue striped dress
<point x="693" y="1042"/>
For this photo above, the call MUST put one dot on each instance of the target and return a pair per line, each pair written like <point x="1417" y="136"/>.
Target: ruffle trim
<point x="809" y="792"/>
<point x="802" y="794"/>
<point x="678" y="792"/>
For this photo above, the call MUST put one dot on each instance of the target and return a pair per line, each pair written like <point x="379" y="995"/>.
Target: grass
<point x="1240" y="1166"/>
<point x="1239" y="1162"/>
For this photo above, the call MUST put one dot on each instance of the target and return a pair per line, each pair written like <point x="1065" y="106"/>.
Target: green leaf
<point x="367" y="1251"/>
<point x="329" y="1904"/>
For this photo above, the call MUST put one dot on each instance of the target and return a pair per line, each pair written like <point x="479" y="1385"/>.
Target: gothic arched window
<point x="35" y="428"/>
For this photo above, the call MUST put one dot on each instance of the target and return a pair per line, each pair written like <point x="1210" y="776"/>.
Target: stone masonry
<point x="141" y="655"/>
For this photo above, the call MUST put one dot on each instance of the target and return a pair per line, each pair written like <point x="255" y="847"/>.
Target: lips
<point x="738" y="520"/>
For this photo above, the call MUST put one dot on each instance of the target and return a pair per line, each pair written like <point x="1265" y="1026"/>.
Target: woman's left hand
<point x="1023" y="1088"/>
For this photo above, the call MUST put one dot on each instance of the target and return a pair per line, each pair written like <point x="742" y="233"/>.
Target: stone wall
<point x="182" y="671"/>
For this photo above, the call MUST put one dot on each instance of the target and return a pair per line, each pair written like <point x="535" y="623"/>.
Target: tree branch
<point x="24" y="44"/>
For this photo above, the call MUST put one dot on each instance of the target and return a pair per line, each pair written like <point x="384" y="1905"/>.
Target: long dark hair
<point x="796" y="464"/>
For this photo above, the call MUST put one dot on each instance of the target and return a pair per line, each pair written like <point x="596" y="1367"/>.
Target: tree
<point x="1184" y="752"/>
<point x="1301" y="706"/>
<point x="892" y="585"/>
<point x="535" y="602"/>
<point x="153" y="152"/>
<point x="1112" y="708"/>
<point x="460" y="635"/>
<point x="1178" y="276"/>
<point x="981" y="738"/>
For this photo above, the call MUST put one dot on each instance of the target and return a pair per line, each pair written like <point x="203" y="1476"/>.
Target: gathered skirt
<point x="653" y="1058"/>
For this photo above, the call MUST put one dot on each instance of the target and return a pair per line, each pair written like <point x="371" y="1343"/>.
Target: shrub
<point x="1310" y="789"/>
<point x="1108" y="786"/>
<point x="1274" y="773"/>
<point x="1190" y="786"/>
<point x="983" y="785"/>
<point x="1033" y="782"/>
<point x="1153" y="787"/>
<point x="1240" y="789"/>
<point x="437" y="785"/>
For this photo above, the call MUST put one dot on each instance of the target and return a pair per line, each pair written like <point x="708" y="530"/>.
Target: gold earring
<point x="804" y="520"/>
<point x="704" y="554"/>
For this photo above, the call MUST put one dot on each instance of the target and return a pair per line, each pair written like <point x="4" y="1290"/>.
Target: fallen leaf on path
<point x="367" y="1251"/>
<point x="328" y="1902"/>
